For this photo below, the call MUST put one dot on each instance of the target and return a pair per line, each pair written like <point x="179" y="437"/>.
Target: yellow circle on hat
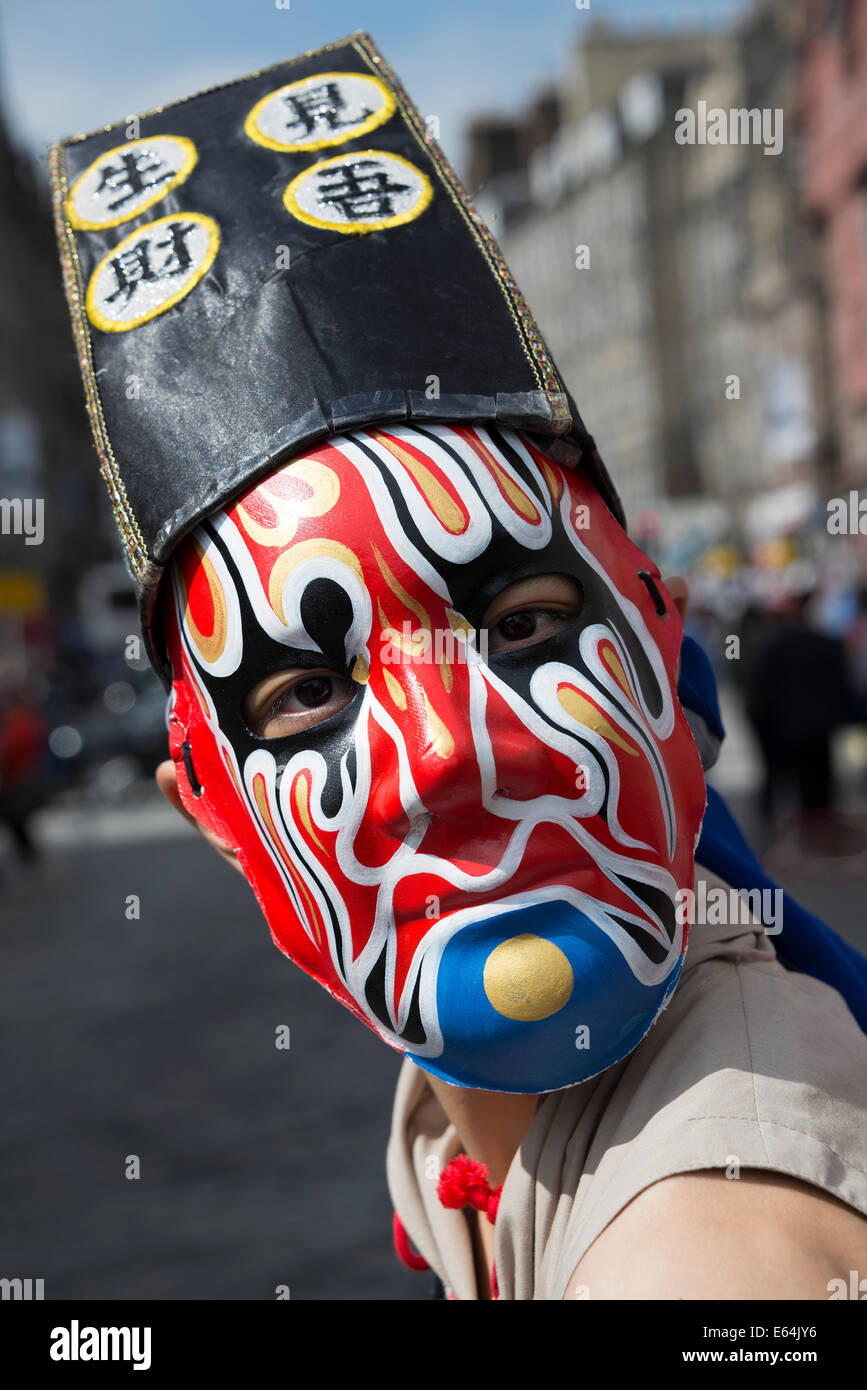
<point x="528" y="978"/>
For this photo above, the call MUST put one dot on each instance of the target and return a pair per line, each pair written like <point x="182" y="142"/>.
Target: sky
<point x="69" y="66"/>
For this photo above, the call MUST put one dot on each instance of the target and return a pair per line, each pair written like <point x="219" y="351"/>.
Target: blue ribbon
<point x="806" y="943"/>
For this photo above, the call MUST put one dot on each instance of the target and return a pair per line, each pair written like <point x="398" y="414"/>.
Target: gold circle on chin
<point x="528" y="978"/>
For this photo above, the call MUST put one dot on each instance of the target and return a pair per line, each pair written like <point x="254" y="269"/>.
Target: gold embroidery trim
<point x="131" y="538"/>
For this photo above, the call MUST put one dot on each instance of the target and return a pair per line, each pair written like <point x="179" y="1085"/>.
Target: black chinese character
<point x="130" y="174"/>
<point x="321" y="104"/>
<point x="133" y="267"/>
<point x="360" y="195"/>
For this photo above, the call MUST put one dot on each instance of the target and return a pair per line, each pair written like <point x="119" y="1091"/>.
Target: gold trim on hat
<point x="138" y="559"/>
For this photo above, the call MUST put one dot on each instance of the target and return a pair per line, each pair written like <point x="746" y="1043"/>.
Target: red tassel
<point x="464" y="1183"/>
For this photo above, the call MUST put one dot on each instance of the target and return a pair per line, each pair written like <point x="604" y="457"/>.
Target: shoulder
<point x="702" y="1235"/>
<point x="731" y="1161"/>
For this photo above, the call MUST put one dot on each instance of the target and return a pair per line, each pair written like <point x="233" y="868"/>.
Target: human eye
<point x="531" y="611"/>
<point x="292" y="701"/>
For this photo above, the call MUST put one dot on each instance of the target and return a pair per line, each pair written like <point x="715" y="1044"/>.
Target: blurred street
<point x="259" y="1167"/>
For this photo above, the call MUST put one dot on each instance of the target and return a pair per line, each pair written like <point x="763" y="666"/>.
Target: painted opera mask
<point x="425" y="685"/>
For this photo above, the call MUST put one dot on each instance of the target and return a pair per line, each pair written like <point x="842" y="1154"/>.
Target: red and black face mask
<point x="470" y="830"/>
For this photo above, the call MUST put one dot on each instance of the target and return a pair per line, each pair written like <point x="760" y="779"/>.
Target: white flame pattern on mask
<point x="229" y="658"/>
<point x="591" y="749"/>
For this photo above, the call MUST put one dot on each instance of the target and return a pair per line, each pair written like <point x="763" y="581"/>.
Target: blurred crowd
<point x="786" y="632"/>
<point x="80" y="724"/>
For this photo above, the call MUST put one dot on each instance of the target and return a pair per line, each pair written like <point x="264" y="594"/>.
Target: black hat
<point x="275" y="260"/>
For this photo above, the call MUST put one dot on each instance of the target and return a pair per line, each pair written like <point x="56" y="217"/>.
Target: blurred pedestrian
<point x="23" y="751"/>
<point x="856" y="647"/>
<point x="798" y="692"/>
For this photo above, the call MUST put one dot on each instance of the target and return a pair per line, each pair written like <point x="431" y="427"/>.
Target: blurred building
<point x="46" y="453"/>
<point x="757" y="420"/>
<point x="678" y="285"/>
<point x="833" y="117"/>
<point x="587" y="222"/>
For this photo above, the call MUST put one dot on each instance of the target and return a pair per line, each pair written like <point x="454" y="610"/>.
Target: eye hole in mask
<point x="530" y="611"/>
<point x="294" y="700"/>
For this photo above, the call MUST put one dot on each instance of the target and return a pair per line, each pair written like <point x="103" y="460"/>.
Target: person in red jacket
<point x="23" y="747"/>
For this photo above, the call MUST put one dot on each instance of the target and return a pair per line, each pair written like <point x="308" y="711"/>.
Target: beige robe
<point x="751" y="1064"/>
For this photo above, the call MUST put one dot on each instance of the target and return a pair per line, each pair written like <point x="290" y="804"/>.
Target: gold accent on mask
<point x="285" y="563"/>
<point x="555" y="483"/>
<point x="518" y="499"/>
<point x="444" y="509"/>
<point x="325" y="491"/>
<point x="406" y="643"/>
<point x="528" y="978"/>
<point x="231" y="771"/>
<point x="274" y="836"/>
<point x="302" y="806"/>
<point x="460" y="626"/>
<point x="211" y="647"/>
<point x="441" y="740"/>
<point x="410" y="646"/>
<point x="400" y="592"/>
<point x="395" y="689"/>
<point x="581" y="710"/>
<point x="615" y="666"/>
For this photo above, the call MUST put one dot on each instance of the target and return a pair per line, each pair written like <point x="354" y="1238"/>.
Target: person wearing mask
<point x="431" y="700"/>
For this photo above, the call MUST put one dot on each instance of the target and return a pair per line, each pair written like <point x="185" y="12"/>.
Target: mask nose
<point x="525" y="768"/>
<point x="458" y="776"/>
<point x="440" y="775"/>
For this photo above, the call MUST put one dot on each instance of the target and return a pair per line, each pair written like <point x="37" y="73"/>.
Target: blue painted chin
<point x="604" y="1018"/>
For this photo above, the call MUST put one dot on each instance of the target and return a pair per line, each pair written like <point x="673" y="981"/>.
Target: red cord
<point x="403" y="1249"/>
<point x="463" y="1183"/>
